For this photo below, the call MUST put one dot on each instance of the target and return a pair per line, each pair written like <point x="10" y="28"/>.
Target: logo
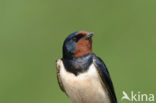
<point x="137" y="96"/>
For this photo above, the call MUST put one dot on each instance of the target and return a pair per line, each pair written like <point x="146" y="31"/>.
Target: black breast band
<point x="78" y="65"/>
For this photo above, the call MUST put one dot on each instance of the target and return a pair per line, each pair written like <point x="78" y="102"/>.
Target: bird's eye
<point x="74" y="39"/>
<point x="77" y="38"/>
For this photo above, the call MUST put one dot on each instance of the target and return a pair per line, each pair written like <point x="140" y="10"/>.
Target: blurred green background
<point x="32" y="33"/>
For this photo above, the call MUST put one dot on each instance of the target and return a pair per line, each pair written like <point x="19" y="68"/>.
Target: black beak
<point x="89" y="35"/>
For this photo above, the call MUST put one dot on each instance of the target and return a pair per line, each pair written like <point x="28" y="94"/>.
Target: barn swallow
<point x="81" y="74"/>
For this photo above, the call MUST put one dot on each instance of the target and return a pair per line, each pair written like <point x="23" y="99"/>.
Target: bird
<point x="82" y="75"/>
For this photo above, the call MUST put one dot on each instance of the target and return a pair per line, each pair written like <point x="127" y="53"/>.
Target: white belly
<point x="85" y="87"/>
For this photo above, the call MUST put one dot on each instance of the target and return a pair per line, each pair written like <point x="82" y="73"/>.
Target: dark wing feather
<point x="105" y="77"/>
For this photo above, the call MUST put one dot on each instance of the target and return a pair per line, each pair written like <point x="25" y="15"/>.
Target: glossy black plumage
<point x="69" y="46"/>
<point x="78" y="65"/>
<point x="104" y="74"/>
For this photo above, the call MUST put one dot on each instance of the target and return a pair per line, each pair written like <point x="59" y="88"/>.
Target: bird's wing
<point x="58" y="66"/>
<point x="105" y="77"/>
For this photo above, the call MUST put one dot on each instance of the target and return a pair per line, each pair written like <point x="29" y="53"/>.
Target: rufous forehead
<point x="83" y="32"/>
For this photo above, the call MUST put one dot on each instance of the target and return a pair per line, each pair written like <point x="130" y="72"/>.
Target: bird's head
<point x="77" y="44"/>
